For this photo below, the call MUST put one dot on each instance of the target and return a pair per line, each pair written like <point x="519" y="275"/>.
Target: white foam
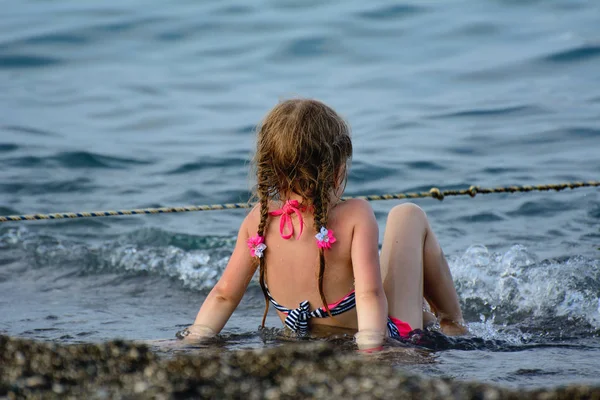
<point x="517" y="283"/>
<point x="505" y="287"/>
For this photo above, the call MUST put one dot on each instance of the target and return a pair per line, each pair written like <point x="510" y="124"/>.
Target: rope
<point x="433" y="192"/>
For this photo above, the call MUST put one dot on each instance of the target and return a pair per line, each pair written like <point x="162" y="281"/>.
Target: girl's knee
<point x="405" y="211"/>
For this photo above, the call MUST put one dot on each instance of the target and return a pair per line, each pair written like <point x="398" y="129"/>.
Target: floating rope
<point x="433" y="192"/>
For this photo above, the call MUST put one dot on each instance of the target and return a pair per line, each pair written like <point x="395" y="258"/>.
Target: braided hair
<point x="302" y="147"/>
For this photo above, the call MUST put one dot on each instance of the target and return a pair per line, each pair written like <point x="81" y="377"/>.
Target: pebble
<point x="121" y="370"/>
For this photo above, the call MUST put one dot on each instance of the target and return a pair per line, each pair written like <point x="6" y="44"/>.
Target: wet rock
<point x="119" y="369"/>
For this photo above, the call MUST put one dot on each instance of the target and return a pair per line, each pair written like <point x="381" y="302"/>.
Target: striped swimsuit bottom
<point x="297" y="318"/>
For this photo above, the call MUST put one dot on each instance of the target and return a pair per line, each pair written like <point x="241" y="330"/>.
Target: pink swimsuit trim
<point x="403" y="327"/>
<point x="334" y="305"/>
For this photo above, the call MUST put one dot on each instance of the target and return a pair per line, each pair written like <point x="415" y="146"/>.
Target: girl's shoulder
<point x="355" y="209"/>
<point x="252" y="219"/>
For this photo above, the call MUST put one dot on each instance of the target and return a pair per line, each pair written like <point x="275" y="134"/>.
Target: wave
<point x="515" y="288"/>
<point x="8" y="211"/>
<point x="369" y="171"/>
<point x="392" y="13"/>
<point x="424" y="165"/>
<point x="209" y="163"/>
<point x="197" y="262"/>
<point x="493" y="112"/>
<point x="73" y="160"/>
<point x="28" y="130"/>
<point x="587" y="52"/>
<point x="547" y="208"/>
<point x="80" y="185"/>
<point x="22" y="61"/>
<point x="85" y="159"/>
<point x="7" y="147"/>
<point x="485" y="217"/>
<point x="508" y="296"/>
<point x="569" y="133"/>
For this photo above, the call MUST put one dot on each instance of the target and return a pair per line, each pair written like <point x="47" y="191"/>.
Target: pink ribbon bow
<point x="290" y="207"/>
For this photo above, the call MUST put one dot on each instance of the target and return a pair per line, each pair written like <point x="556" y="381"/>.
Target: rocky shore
<point x="116" y="370"/>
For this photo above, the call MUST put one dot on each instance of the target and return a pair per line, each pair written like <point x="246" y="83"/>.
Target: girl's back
<point x="293" y="264"/>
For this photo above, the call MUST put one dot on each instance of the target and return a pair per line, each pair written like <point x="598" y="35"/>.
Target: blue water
<point x="114" y="105"/>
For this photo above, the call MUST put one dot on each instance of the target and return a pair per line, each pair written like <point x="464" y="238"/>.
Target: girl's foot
<point x="453" y="328"/>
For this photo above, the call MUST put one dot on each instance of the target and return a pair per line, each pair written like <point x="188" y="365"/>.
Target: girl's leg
<point x="413" y="267"/>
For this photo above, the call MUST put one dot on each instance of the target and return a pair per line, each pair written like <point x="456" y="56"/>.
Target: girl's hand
<point x="373" y="350"/>
<point x="196" y="333"/>
<point x="369" y="341"/>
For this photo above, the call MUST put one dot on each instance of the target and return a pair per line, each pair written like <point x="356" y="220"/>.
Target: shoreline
<point x="120" y="369"/>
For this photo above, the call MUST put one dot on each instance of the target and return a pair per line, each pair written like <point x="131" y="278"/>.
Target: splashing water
<point x="515" y="286"/>
<point x="504" y="295"/>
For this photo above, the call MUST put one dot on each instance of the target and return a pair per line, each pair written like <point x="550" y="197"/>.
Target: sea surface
<point x="116" y="105"/>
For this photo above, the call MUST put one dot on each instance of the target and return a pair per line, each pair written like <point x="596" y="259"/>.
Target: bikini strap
<point x="289" y="208"/>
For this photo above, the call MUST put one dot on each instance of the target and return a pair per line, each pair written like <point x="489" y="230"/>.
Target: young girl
<point x="318" y="256"/>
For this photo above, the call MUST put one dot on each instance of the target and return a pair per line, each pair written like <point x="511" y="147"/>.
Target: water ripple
<point x="73" y="160"/>
<point x="595" y="212"/>
<point x="209" y="163"/>
<point x="179" y="33"/>
<point x="500" y="170"/>
<point x="29" y="130"/>
<point x="7" y="147"/>
<point x="543" y="208"/>
<point x="492" y="112"/>
<point x="84" y="159"/>
<point x="561" y="135"/>
<point x="481" y="217"/>
<point x="8" y="211"/>
<point x="21" y="61"/>
<point x="392" y="12"/>
<point x="62" y="38"/>
<point x="81" y="185"/>
<point x="583" y="53"/>
<point x="368" y="172"/>
<point x="307" y="47"/>
<point x="425" y="165"/>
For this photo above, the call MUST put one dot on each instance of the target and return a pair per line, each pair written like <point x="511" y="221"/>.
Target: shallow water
<point x="107" y="105"/>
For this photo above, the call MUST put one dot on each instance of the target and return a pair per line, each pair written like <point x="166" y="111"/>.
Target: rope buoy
<point x="434" y="192"/>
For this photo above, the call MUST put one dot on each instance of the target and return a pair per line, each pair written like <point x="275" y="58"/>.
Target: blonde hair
<point x="302" y="147"/>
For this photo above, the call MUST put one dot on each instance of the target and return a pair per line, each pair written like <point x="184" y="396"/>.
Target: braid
<point x="321" y="211"/>
<point x="264" y="214"/>
<point x="301" y="145"/>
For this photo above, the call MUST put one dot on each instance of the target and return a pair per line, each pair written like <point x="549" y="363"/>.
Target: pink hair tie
<point x="325" y="238"/>
<point x="257" y="245"/>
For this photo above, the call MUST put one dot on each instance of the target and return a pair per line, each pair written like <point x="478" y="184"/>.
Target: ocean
<point x="117" y="105"/>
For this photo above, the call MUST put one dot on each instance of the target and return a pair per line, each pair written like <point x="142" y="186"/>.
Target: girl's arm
<point x="371" y="303"/>
<point x="228" y="292"/>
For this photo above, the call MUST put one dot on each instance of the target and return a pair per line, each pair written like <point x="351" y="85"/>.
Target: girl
<point x="317" y="256"/>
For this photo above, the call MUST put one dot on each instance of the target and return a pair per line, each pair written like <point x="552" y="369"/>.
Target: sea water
<point x="117" y="105"/>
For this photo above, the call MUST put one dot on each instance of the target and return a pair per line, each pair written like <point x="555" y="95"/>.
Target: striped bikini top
<point x="297" y="318"/>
